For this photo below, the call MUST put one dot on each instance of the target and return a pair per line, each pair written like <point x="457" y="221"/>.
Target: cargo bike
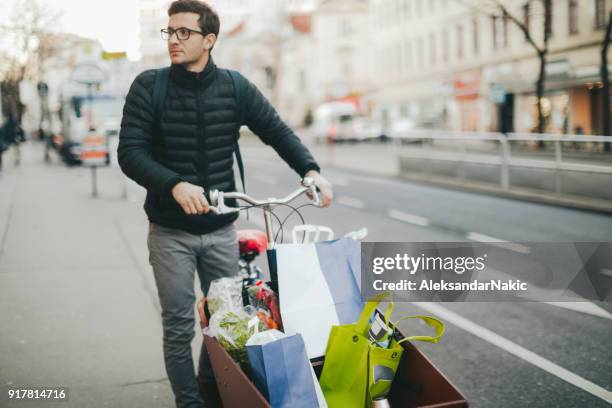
<point x="417" y="382"/>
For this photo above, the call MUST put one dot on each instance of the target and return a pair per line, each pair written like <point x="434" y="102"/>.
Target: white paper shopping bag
<point x="319" y="287"/>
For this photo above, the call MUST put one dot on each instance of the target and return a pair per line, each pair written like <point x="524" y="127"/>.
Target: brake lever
<point x="317" y="198"/>
<point x="309" y="183"/>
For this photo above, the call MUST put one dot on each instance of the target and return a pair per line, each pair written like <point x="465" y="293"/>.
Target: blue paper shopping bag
<point x="282" y="372"/>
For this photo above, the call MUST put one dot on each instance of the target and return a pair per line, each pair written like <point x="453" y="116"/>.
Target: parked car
<point x="366" y="129"/>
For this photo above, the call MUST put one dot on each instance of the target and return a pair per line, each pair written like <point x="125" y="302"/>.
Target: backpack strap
<point x="159" y="95"/>
<point x="240" y="87"/>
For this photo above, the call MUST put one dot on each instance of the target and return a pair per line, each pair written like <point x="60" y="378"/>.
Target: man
<point x="192" y="154"/>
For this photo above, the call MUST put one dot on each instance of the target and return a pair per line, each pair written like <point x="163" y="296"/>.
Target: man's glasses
<point x="182" y="33"/>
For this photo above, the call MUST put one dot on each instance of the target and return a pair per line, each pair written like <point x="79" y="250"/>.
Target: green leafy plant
<point x="236" y="333"/>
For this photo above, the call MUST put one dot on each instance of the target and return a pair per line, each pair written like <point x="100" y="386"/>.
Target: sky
<point x="113" y="22"/>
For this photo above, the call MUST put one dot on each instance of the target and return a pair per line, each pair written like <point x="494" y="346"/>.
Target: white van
<point x="334" y="122"/>
<point x="105" y="111"/>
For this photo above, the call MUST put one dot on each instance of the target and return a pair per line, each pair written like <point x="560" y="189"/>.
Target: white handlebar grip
<point x="214" y="197"/>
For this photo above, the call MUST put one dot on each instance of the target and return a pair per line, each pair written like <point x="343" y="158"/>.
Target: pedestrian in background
<point x="11" y="134"/>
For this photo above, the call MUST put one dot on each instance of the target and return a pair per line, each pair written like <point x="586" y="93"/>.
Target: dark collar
<point x="190" y="79"/>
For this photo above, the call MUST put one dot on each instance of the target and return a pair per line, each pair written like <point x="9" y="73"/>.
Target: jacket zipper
<point x="201" y="162"/>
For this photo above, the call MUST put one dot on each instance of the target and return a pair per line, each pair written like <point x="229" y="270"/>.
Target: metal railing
<point x="503" y="157"/>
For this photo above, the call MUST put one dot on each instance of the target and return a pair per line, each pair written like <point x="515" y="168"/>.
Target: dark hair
<point x="208" y="20"/>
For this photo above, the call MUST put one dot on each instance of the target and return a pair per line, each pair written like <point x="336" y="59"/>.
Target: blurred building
<point x="299" y="53"/>
<point x="463" y="66"/>
<point x="325" y="58"/>
<point x="250" y="40"/>
<point x="262" y="39"/>
<point x="153" y="17"/>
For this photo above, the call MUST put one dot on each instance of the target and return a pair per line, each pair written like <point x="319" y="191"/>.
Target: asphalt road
<point x="441" y="162"/>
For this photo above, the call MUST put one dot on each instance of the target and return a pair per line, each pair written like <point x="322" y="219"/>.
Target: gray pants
<point x="175" y="255"/>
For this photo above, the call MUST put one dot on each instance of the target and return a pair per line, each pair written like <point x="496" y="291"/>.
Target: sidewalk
<point x="77" y="297"/>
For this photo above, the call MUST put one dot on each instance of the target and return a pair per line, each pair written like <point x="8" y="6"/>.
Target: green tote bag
<point x="356" y="371"/>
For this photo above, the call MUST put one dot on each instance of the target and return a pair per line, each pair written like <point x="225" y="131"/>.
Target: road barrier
<point x="487" y="160"/>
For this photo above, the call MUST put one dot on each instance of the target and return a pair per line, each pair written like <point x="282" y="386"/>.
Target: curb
<point x="550" y="198"/>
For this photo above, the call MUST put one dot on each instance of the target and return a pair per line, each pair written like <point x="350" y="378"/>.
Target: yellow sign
<point x="113" y="55"/>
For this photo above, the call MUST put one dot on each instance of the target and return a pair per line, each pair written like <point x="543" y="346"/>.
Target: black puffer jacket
<point x="199" y="125"/>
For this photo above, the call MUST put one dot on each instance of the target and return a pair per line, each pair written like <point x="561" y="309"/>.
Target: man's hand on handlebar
<point x="324" y="187"/>
<point x="191" y="198"/>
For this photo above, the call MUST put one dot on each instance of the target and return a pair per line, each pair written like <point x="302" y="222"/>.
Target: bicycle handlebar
<point x="217" y="198"/>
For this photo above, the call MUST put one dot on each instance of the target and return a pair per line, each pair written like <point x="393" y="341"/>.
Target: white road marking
<point x="264" y="178"/>
<point x="502" y="243"/>
<point x="517" y="350"/>
<point x="607" y="272"/>
<point x="408" y="218"/>
<point x="350" y="202"/>
<point x="583" y="307"/>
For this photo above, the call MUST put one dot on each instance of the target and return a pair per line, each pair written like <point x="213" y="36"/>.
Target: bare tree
<point x="496" y="7"/>
<point x="27" y="45"/>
